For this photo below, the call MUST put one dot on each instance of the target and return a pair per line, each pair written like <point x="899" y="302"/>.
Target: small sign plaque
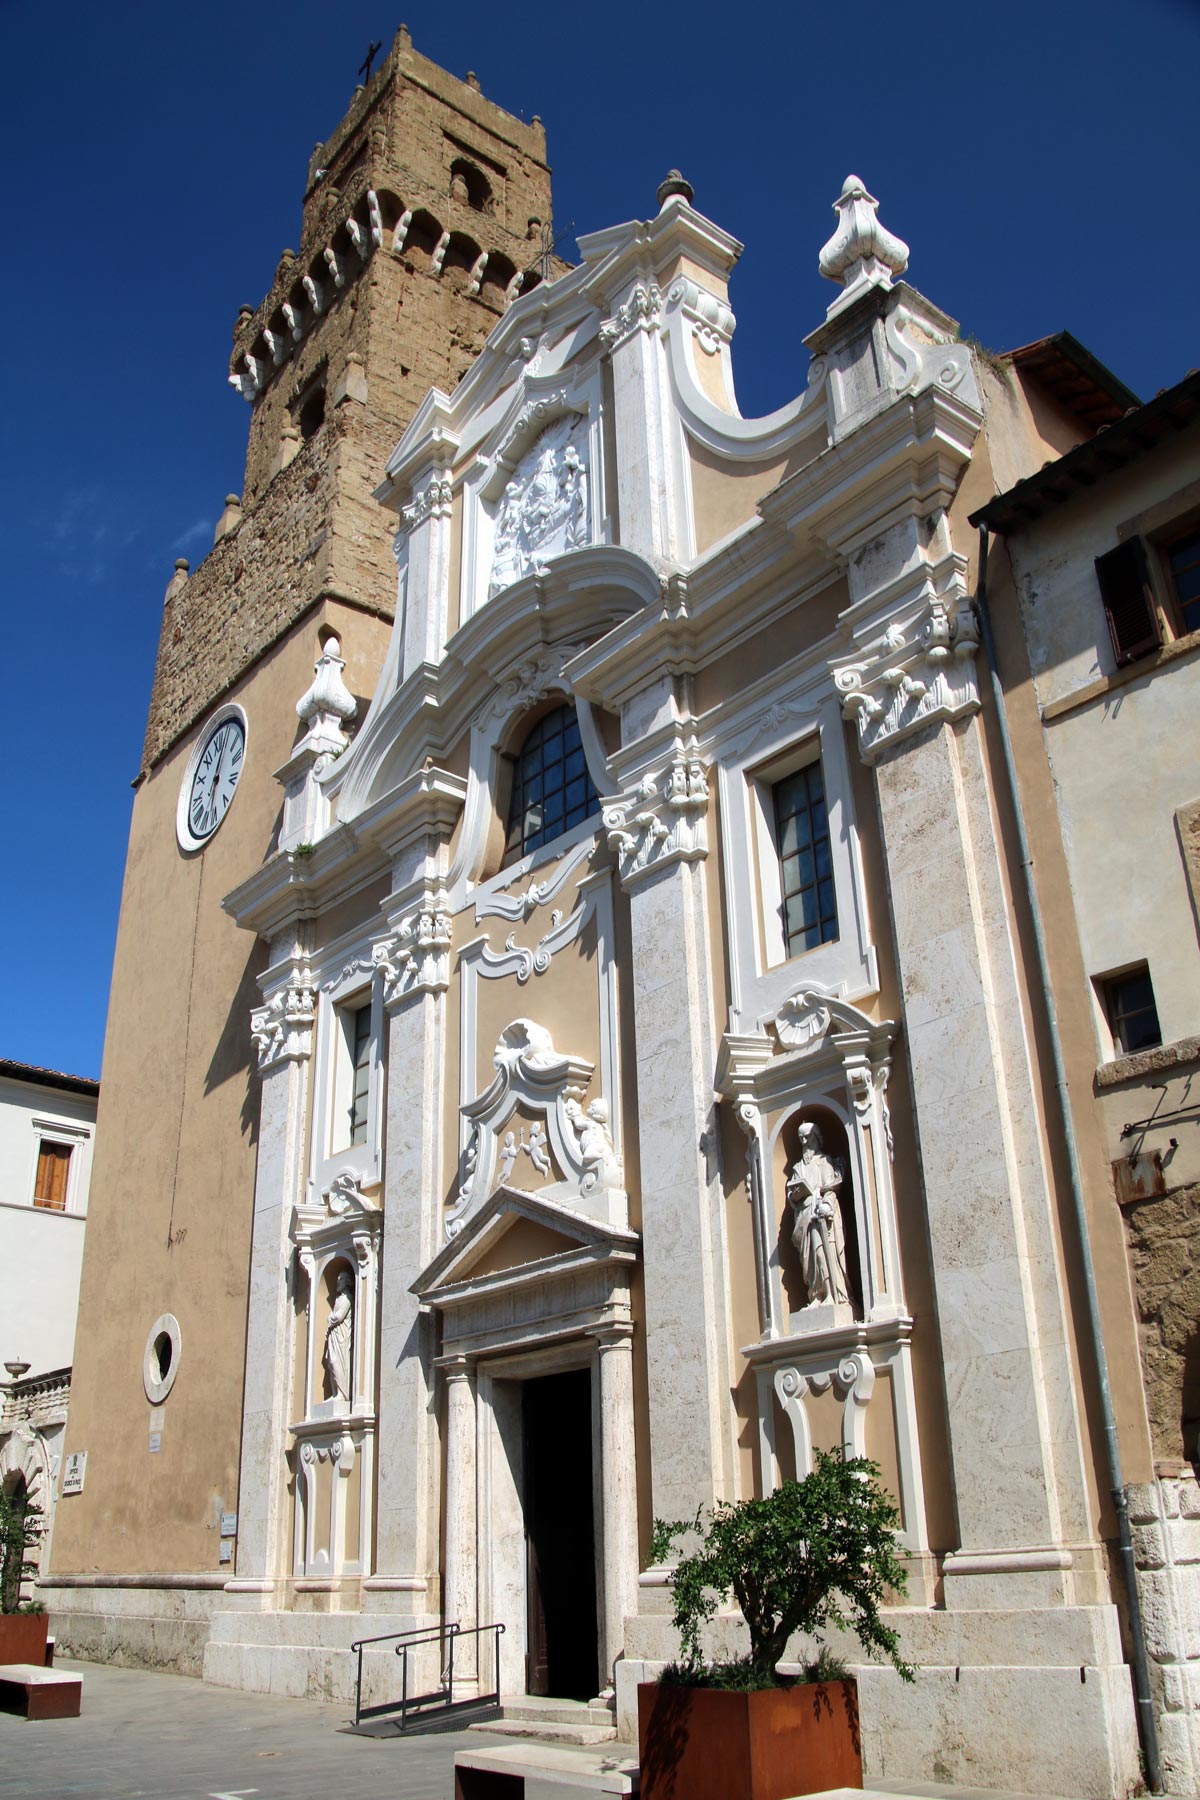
<point x="228" y="1525"/>
<point x="226" y="1555"/>
<point x="155" y="1442"/>
<point x="74" y="1469"/>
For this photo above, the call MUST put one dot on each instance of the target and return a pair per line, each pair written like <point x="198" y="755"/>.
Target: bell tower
<point x="423" y="217"/>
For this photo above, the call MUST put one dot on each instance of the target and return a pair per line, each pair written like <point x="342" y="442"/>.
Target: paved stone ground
<point x="146" y="1736"/>
<point x="167" y="1737"/>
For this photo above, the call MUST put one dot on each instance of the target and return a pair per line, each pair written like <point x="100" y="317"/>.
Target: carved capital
<point x="434" y="501"/>
<point x="282" y="1029"/>
<point x="416" y="957"/>
<point x="662" y="819"/>
<point x="915" y="673"/>
<point x="639" y="313"/>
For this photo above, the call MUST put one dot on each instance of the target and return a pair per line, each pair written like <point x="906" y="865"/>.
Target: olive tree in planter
<point x="23" y="1624"/>
<point x="815" y="1554"/>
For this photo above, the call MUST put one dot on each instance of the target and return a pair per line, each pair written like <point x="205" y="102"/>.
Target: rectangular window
<point x="807" y="901"/>
<point x="361" y="1076"/>
<point x="1132" y="1014"/>
<point x="50" y="1188"/>
<point x="1183" y="560"/>
<point x="1133" y="622"/>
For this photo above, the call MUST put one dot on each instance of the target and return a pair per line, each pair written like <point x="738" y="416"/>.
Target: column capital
<point x="617" y="1334"/>
<point x="662" y="818"/>
<point x="415" y="957"/>
<point x="457" y="1368"/>
<point x="282" y="1028"/>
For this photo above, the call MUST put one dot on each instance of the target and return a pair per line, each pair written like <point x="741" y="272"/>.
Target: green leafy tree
<point x="815" y="1554"/>
<point x="20" y="1529"/>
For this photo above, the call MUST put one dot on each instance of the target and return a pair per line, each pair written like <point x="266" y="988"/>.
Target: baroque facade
<point x="616" y="1072"/>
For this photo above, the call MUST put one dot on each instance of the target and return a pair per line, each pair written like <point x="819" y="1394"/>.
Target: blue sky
<point x="1038" y="159"/>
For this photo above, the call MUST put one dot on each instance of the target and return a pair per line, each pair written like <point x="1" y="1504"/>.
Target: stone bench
<point x="40" y="1693"/>
<point x="501" y="1774"/>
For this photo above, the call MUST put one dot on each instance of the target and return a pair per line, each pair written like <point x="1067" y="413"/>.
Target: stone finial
<point x="230" y="517"/>
<point x="672" y="186"/>
<point x="328" y="704"/>
<point x="178" y="578"/>
<point x="861" y="253"/>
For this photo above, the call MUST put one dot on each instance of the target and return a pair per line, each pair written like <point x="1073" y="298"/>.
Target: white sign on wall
<point x="74" y="1469"/>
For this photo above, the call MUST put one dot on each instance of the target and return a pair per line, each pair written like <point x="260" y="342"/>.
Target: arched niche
<point x="830" y="1123"/>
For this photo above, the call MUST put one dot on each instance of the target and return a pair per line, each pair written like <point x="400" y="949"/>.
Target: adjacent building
<point x="611" y="1062"/>
<point x="47" y="1131"/>
<point x="1098" y="558"/>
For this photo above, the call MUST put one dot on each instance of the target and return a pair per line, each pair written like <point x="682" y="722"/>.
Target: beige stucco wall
<point x="172" y="1187"/>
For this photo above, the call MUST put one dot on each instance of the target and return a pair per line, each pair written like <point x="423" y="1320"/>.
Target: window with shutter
<point x="1133" y="621"/>
<point x="1183" y="559"/>
<point x="50" y="1189"/>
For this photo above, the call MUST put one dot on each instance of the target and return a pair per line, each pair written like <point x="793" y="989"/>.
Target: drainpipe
<point x="1147" y="1729"/>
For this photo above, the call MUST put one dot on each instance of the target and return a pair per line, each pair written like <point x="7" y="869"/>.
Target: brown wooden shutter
<point x="53" y="1162"/>
<point x="1133" y="621"/>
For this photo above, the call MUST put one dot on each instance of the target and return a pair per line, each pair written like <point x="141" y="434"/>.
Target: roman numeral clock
<point x="211" y="777"/>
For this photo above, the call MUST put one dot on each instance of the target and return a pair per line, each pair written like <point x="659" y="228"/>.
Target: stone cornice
<point x="299" y="884"/>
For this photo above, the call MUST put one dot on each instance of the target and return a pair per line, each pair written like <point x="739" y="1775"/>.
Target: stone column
<point x="658" y="831"/>
<point x="618" y="1488"/>
<point x="462" y="1518"/>
<point x="283" y="1033"/>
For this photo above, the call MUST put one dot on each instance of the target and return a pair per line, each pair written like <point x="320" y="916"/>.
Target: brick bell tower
<point x="423" y="217"/>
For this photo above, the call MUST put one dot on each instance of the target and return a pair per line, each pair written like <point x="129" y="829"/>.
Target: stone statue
<point x="601" y="1164"/>
<point x="817" y="1231"/>
<point x="339" y="1336"/>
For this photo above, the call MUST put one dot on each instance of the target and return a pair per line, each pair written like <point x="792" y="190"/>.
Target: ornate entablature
<point x="533" y="1129"/>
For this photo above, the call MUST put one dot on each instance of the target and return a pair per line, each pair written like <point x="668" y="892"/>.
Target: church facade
<point x="613" y="1052"/>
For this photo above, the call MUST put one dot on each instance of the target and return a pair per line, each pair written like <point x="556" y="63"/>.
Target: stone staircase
<point x="586" y="1722"/>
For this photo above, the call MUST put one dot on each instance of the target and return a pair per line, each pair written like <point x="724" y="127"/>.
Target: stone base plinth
<point x="1039" y="1702"/>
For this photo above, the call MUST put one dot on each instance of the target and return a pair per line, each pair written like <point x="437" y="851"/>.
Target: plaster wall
<point x="41" y="1250"/>
<point x="171" y="1219"/>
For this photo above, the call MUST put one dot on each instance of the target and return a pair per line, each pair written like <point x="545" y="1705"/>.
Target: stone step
<point x="548" y="1731"/>
<point x="564" y="1712"/>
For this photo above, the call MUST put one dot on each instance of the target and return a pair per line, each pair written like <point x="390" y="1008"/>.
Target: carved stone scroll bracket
<point x="915" y="673"/>
<point x="662" y="819"/>
<point x="852" y="1378"/>
<point x="434" y="501"/>
<point x="711" y="321"/>
<point x="532" y="1116"/>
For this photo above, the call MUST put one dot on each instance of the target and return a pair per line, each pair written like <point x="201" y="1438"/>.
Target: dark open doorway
<point x="560" y="1540"/>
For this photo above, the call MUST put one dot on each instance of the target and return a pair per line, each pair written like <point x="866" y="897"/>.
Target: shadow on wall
<point x="233" y="1057"/>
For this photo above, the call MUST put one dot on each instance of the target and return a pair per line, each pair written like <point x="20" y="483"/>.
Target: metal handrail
<point x="442" y="1696"/>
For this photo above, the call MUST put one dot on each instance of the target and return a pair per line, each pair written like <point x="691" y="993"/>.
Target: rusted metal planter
<point x="705" y="1744"/>
<point x="23" y="1637"/>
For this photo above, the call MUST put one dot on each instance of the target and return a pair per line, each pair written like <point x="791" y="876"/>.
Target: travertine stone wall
<point x="1165" y="1515"/>
<point x="1164" y="1251"/>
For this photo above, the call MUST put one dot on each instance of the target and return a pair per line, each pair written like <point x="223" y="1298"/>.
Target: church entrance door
<point x="560" y="1538"/>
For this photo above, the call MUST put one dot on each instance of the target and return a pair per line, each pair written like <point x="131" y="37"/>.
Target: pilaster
<point x="658" y="831"/>
<point x="282" y="1031"/>
<point x="618" y="1483"/>
<point x="462" y="1506"/>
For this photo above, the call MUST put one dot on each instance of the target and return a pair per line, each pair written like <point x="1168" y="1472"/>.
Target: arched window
<point x="551" y="788"/>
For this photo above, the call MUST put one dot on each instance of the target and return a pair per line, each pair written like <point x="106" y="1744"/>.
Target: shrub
<point x="20" y="1529"/>
<point x="815" y="1554"/>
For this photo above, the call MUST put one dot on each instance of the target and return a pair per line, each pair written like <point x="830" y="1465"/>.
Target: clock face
<point x="212" y="779"/>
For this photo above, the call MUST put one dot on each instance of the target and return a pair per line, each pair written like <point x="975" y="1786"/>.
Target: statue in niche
<point x="339" y="1336"/>
<point x="817" y="1231"/>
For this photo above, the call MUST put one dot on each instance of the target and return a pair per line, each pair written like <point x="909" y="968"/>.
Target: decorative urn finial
<point x="674" y="184"/>
<point x="328" y="704"/>
<point x="861" y="253"/>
